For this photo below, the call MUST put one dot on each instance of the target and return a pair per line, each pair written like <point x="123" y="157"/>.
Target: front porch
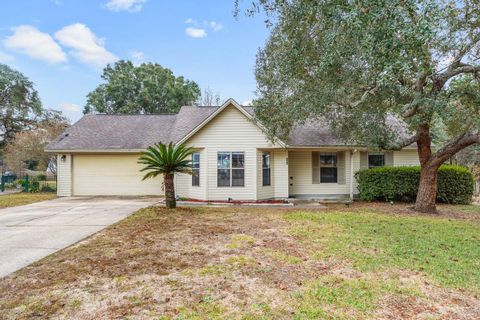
<point x="309" y="173"/>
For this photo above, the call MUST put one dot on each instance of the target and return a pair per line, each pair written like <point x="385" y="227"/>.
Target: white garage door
<point x="107" y="175"/>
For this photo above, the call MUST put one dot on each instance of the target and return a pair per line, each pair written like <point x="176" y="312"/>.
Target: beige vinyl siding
<point x="265" y="192"/>
<point x="406" y="157"/>
<point x="280" y="171"/>
<point x="64" y="176"/>
<point x="230" y="131"/>
<point x="183" y="182"/>
<point x="300" y="168"/>
<point x="112" y="175"/>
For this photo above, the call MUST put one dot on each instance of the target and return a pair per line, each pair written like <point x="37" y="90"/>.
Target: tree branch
<point x="452" y="147"/>
<point x="463" y="51"/>
<point x="402" y="143"/>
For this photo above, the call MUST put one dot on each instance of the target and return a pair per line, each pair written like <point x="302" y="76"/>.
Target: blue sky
<point x="62" y="45"/>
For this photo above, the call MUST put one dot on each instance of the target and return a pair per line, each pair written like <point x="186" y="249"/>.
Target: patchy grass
<point x="23" y="198"/>
<point x="447" y="252"/>
<point x="472" y="208"/>
<point x="366" y="261"/>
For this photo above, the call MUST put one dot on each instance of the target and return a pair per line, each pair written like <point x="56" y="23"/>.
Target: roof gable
<point x="229" y="102"/>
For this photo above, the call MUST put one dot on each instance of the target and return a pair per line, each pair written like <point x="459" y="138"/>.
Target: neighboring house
<point x="233" y="160"/>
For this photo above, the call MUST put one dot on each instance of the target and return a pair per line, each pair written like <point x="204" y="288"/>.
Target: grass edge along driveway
<point x="23" y="198"/>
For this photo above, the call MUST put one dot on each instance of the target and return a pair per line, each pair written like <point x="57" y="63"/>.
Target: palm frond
<point x="161" y="158"/>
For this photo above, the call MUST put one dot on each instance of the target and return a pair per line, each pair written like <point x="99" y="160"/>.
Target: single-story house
<point x="233" y="157"/>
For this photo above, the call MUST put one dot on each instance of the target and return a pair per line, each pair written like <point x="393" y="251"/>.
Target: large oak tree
<point x="358" y="65"/>
<point x="20" y="106"/>
<point x="144" y="89"/>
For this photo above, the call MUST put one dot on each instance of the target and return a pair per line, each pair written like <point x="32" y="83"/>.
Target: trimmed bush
<point x="454" y="184"/>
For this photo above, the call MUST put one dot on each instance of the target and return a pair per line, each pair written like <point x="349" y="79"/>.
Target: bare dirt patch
<point x="216" y="263"/>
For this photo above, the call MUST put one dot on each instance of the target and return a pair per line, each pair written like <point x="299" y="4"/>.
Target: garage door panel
<point x="111" y="175"/>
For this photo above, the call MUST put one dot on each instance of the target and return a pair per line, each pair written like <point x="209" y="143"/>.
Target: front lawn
<point x="359" y="262"/>
<point x="22" y="198"/>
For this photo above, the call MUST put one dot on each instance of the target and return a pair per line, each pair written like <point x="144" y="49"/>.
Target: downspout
<point x="351" y="174"/>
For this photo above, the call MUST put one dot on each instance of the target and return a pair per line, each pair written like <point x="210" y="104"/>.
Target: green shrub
<point x="454" y="184"/>
<point x="34" y="186"/>
<point x="41" y="177"/>
<point x="47" y="188"/>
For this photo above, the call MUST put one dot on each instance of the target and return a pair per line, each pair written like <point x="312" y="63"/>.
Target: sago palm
<point x="166" y="160"/>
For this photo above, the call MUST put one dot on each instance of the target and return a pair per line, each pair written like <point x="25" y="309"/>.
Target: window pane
<point x="328" y="159"/>
<point x="196" y="160"/>
<point x="223" y="160"/>
<point x="196" y="177"/>
<point x="376" y="160"/>
<point x="266" y="176"/>
<point x="237" y="160"/>
<point x="223" y="177"/>
<point x="266" y="160"/>
<point x="328" y="175"/>
<point x="238" y="177"/>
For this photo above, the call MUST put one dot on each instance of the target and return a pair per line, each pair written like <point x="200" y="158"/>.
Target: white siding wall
<point x="183" y="182"/>
<point x="64" y="176"/>
<point x="280" y="171"/>
<point x="300" y="168"/>
<point x="230" y="131"/>
<point x="267" y="192"/>
<point x="406" y="157"/>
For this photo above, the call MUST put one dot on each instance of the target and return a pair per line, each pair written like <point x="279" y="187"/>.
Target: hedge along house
<point x="233" y="157"/>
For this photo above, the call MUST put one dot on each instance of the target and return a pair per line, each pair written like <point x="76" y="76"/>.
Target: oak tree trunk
<point x="427" y="190"/>
<point x="170" y="201"/>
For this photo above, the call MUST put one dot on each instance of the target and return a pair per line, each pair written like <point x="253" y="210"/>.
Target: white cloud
<point x="36" y="44"/>
<point x="125" y="5"/>
<point x="70" y="108"/>
<point x="85" y="45"/>
<point x="216" y="26"/>
<point x="138" y="57"/>
<point x="247" y="103"/>
<point x="196" y="32"/>
<point x="191" y="21"/>
<point x="5" y="57"/>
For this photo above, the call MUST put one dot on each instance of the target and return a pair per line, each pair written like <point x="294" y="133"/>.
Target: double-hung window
<point x="328" y="168"/>
<point x="196" y="169"/>
<point x="376" y="160"/>
<point x="266" y="169"/>
<point x="231" y="169"/>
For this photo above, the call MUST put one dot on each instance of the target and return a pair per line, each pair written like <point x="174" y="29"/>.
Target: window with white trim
<point x="328" y="168"/>
<point x="266" y="169"/>
<point x="196" y="169"/>
<point x="230" y="169"/>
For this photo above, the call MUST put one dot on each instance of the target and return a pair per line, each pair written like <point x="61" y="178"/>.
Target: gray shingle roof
<point x="110" y="132"/>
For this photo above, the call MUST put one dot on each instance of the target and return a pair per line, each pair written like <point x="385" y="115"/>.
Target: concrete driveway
<point x="29" y="233"/>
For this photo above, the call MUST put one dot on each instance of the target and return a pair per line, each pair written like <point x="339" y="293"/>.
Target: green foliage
<point x="34" y="186"/>
<point x="41" y="177"/>
<point x="169" y="159"/>
<point x="354" y="65"/>
<point x="454" y="184"/>
<point x="147" y="88"/>
<point x="20" y="105"/>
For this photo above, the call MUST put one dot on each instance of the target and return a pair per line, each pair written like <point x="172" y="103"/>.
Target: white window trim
<point x="269" y="169"/>
<point x="199" y="170"/>
<point x="231" y="168"/>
